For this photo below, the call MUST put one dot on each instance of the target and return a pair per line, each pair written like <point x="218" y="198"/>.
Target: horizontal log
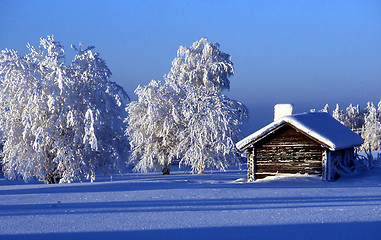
<point x="286" y="153"/>
<point x="289" y="156"/>
<point x="288" y="148"/>
<point x="287" y="161"/>
<point x="291" y="159"/>
<point x="274" y="168"/>
<point x="289" y="170"/>
<point x="288" y="143"/>
<point x="275" y="163"/>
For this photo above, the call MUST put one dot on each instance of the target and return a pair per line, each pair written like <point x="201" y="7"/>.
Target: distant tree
<point x="353" y="118"/>
<point x="371" y="130"/>
<point x="60" y="123"/>
<point x="338" y="114"/>
<point x="188" y="117"/>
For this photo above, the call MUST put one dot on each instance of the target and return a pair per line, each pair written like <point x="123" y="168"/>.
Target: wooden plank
<point x="290" y="170"/>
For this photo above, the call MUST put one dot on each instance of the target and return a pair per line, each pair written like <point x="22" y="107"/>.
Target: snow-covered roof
<point x="318" y="125"/>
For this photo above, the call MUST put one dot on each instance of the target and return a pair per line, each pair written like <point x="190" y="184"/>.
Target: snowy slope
<point x="184" y="206"/>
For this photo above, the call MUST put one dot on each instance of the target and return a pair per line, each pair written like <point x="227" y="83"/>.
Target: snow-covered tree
<point x="153" y="127"/>
<point x="212" y="121"/>
<point x="60" y="123"/>
<point x="371" y="130"/>
<point x="352" y="118"/>
<point x="187" y="118"/>
<point x="338" y="114"/>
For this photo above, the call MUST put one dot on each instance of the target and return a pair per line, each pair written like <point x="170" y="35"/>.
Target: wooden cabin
<point x="312" y="143"/>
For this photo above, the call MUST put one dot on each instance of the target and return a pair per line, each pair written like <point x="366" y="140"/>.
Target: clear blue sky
<point x="307" y="52"/>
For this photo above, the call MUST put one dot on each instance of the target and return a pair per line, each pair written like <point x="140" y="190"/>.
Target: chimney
<point x="282" y="110"/>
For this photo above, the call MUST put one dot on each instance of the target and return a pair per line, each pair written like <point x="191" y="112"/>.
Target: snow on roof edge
<point x="243" y="144"/>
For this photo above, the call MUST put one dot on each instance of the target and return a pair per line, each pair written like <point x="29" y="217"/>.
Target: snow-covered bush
<point x="60" y="123"/>
<point x="187" y="118"/>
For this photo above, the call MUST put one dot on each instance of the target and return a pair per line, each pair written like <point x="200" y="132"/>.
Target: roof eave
<point x="258" y="135"/>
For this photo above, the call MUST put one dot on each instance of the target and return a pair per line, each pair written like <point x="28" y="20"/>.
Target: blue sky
<point x="307" y="52"/>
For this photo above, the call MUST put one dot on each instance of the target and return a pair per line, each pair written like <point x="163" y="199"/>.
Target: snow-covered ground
<point x="184" y="206"/>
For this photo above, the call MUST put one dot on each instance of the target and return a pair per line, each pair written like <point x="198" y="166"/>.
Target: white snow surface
<point x="218" y="205"/>
<point x="318" y="125"/>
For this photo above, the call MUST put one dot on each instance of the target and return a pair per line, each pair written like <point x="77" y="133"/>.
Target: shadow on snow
<point x="348" y="231"/>
<point x="207" y="205"/>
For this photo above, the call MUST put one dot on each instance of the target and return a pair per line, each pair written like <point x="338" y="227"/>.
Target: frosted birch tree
<point x="153" y="127"/>
<point x="188" y="118"/>
<point x="202" y="65"/>
<point x="212" y="121"/>
<point x="60" y="123"/>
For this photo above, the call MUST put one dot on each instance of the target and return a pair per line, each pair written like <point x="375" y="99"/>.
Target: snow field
<point x="184" y="206"/>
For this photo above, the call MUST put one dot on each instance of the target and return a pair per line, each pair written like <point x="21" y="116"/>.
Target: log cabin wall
<point x="287" y="151"/>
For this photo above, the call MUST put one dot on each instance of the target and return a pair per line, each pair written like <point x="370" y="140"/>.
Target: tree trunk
<point x="166" y="169"/>
<point x="53" y="177"/>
